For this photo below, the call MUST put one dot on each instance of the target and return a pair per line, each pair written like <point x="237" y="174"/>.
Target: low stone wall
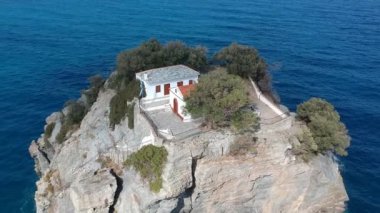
<point x="266" y="101"/>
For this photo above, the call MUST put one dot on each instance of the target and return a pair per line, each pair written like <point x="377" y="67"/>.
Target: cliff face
<point x="86" y="174"/>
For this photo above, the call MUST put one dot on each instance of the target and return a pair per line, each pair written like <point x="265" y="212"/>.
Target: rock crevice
<point x="119" y="188"/>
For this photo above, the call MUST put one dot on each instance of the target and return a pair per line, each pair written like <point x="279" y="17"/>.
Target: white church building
<point x="168" y="86"/>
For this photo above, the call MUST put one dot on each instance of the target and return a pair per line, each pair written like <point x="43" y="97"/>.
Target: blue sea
<point x="326" y="48"/>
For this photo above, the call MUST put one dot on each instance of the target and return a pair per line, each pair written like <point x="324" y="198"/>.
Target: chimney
<point x="145" y="76"/>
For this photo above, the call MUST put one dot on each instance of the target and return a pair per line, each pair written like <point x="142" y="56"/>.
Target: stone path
<point x="266" y="113"/>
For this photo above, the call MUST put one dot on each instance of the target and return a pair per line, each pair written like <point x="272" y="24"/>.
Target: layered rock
<point x="86" y="174"/>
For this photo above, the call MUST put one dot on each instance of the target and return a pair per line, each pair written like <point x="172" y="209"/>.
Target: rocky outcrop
<point x="85" y="173"/>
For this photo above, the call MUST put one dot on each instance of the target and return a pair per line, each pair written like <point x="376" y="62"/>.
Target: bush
<point x="328" y="132"/>
<point x="118" y="108"/>
<point x="49" y="130"/>
<point x="119" y="103"/>
<point x="72" y="120"/>
<point x="131" y="115"/>
<point x="243" y="145"/>
<point x="217" y="97"/>
<point x="96" y="83"/>
<point x="307" y="147"/>
<point x="245" y="121"/>
<point x="149" y="161"/>
<point x="76" y="112"/>
<point x="132" y="90"/>
<point x="61" y="136"/>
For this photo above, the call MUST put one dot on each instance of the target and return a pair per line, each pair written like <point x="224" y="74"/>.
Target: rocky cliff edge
<point x="85" y="173"/>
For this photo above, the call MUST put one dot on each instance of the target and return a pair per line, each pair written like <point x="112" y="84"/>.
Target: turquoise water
<point x="327" y="48"/>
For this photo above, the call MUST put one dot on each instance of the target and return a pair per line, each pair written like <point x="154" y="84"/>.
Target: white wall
<point x="151" y="89"/>
<point x="266" y="101"/>
<point x="176" y="94"/>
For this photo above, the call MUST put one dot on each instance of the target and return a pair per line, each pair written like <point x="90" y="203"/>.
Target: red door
<point x="175" y="106"/>
<point x="166" y="89"/>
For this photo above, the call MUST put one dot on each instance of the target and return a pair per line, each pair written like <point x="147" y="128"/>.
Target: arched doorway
<point x="175" y="106"/>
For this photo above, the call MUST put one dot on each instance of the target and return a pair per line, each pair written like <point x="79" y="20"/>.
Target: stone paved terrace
<point x="165" y="119"/>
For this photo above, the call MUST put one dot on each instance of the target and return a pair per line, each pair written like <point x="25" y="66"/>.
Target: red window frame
<point x="166" y="89"/>
<point x="158" y="88"/>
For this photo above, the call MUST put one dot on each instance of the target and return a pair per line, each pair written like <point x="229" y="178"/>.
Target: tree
<point x="217" y="97"/>
<point x="120" y="104"/>
<point x="246" y="62"/>
<point x="144" y="57"/>
<point x="96" y="83"/>
<point x="151" y="54"/>
<point x="241" y="60"/>
<point x="176" y="52"/>
<point x="328" y="132"/>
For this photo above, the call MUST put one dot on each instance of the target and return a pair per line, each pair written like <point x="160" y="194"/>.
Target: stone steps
<point x="154" y="104"/>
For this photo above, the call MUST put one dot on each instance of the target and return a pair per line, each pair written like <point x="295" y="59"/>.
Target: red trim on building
<point x="158" y="88"/>
<point x="166" y="89"/>
<point x="185" y="90"/>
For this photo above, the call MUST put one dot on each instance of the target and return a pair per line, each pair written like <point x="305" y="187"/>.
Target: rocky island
<point x="230" y="146"/>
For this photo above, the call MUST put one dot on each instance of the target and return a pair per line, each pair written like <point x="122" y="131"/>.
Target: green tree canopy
<point x="217" y="97"/>
<point x="152" y="54"/>
<point x="329" y="133"/>
<point x="246" y="62"/>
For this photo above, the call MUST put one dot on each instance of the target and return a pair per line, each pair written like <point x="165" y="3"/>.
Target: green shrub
<point x="149" y="161"/>
<point x="156" y="185"/>
<point x="119" y="103"/>
<point x="131" y="115"/>
<point x="72" y="120"/>
<point x="96" y="83"/>
<point x="245" y="121"/>
<point x="61" y="136"/>
<point x="49" y="130"/>
<point x="328" y="132"/>
<point x="118" y="108"/>
<point x="76" y="112"/>
<point x="132" y="90"/>
<point x="307" y="147"/>
<point x="243" y="145"/>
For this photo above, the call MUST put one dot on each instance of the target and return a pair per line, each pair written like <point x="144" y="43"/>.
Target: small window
<point x="158" y="88"/>
<point x="179" y="83"/>
<point x="190" y="81"/>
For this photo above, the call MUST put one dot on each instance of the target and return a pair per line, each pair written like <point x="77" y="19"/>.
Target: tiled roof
<point x="167" y="74"/>
<point x="185" y="90"/>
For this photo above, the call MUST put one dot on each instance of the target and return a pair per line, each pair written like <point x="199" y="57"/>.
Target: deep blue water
<point x="326" y="48"/>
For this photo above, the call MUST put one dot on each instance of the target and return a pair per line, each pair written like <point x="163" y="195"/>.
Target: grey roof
<point x="167" y="74"/>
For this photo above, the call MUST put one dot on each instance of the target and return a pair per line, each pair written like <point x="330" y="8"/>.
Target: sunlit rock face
<point x="85" y="173"/>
